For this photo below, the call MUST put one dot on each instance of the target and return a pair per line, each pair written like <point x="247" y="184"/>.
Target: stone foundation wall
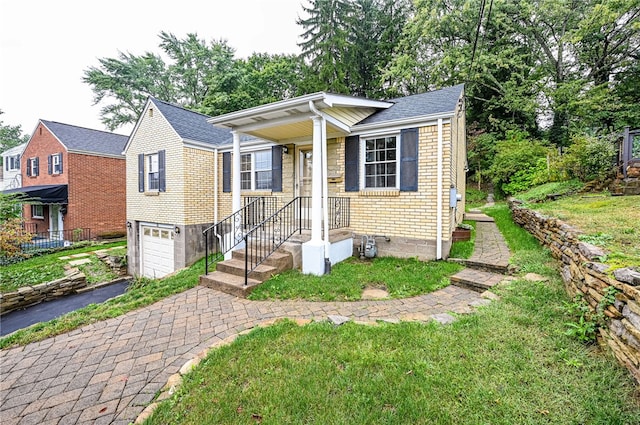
<point x="583" y="275"/>
<point x="30" y="295"/>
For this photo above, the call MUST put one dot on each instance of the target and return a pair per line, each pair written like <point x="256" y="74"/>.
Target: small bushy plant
<point x="519" y="164"/>
<point x="590" y="158"/>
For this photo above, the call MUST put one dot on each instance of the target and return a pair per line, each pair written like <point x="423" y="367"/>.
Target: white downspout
<point x="325" y="183"/>
<point x="215" y="185"/>
<point x="439" y="194"/>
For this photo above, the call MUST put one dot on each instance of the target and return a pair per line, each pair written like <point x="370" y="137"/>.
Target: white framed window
<point x="255" y="171"/>
<point x="153" y="172"/>
<point x="381" y="162"/>
<point x="37" y="211"/>
<point x="56" y="163"/>
<point x="33" y="165"/>
<point x="13" y="162"/>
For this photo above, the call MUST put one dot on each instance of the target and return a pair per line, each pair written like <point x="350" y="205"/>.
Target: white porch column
<point x="313" y="251"/>
<point x="238" y="233"/>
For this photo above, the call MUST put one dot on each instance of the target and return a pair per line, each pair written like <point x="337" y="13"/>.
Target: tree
<point x="350" y="43"/>
<point x="126" y="83"/>
<point x="11" y="136"/>
<point x="12" y="235"/>
<point x="325" y="45"/>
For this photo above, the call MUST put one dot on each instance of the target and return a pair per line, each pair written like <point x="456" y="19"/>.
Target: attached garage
<point x="157" y="254"/>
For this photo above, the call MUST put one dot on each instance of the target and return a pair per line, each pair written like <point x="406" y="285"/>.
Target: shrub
<point x="590" y="158"/>
<point x="519" y="164"/>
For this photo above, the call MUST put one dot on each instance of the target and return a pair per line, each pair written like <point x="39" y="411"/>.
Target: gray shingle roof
<point x="192" y="125"/>
<point x="418" y="105"/>
<point x="86" y="140"/>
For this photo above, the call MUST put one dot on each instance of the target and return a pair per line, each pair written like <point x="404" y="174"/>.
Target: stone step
<point x="478" y="216"/>
<point x="476" y="280"/>
<point x="493" y="267"/>
<point x="229" y="283"/>
<point x="235" y="266"/>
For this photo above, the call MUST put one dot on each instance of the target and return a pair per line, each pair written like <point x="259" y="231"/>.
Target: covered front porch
<point x="302" y="127"/>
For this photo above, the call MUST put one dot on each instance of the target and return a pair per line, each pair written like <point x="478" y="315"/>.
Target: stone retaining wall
<point x="585" y="276"/>
<point x="30" y="295"/>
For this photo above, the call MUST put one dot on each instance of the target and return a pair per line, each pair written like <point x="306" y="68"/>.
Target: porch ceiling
<point x="291" y="119"/>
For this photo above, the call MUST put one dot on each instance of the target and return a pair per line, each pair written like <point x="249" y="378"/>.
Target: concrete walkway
<point x="108" y="372"/>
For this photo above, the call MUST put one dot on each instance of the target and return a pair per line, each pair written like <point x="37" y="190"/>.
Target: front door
<point x="55" y="222"/>
<point x="305" y="174"/>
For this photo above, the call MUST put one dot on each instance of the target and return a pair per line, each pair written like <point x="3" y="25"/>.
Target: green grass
<point x="48" y="267"/>
<point x="509" y="363"/>
<point x="539" y="193"/>
<point x="400" y="277"/>
<point x="464" y="249"/>
<point x="141" y="292"/>
<point x="474" y="198"/>
<point x="611" y="222"/>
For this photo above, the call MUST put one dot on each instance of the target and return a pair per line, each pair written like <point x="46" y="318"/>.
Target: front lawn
<point x="509" y="363"/>
<point x="48" y="267"/>
<point x="401" y="277"/>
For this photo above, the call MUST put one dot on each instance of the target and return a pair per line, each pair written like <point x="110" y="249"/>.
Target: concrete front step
<point x="235" y="267"/>
<point x="229" y="274"/>
<point x="476" y="280"/>
<point x="229" y="284"/>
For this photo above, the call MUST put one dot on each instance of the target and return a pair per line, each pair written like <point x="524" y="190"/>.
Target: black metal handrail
<point x="266" y="237"/>
<point x="225" y="235"/>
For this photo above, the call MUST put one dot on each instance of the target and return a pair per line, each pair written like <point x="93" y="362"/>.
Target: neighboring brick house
<point x="401" y="164"/>
<point x="75" y="179"/>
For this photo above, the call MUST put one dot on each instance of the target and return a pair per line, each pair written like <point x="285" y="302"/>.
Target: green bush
<point x="590" y="158"/>
<point x="520" y="163"/>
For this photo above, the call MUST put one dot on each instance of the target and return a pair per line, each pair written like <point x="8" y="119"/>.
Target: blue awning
<point x="45" y="194"/>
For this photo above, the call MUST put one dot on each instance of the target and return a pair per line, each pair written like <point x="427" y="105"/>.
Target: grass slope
<point x="510" y="363"/>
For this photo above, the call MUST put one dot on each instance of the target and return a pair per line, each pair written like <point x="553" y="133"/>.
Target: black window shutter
<point x="141" y="172"/>
<point x="351" y="164"/>
<point x="50" y="164"/>
<point x="409" y="160"/>
<point x="18" y="161"/>
<point x="226" y="172"/>
<point x="276" y="168"/>
<point x="37" y="170"/>
<point x="162" y="180"/>
<point x="60" y="163"/>
<point x="6" y="163"/>
<point x="29" y="167"/>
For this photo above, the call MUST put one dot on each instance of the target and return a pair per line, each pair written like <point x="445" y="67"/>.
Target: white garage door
<point x="157" y="251"/>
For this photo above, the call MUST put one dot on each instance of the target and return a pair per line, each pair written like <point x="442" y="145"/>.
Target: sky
<point x="46" y="45"/>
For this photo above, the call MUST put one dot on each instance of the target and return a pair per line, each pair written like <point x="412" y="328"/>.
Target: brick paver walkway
<point x="108" y="372"/>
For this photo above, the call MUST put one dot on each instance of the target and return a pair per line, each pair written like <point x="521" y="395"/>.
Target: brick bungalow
<point x="393" y="169"/>
<point x="75" y="179"/>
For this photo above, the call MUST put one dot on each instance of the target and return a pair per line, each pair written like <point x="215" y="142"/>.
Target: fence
<point x="57" y="239"/>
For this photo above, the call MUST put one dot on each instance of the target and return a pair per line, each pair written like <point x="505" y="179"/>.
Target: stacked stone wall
<point x="584" y="275"/>
<point x="30" y="295"/>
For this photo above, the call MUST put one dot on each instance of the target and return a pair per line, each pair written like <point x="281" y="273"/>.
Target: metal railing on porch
<point x="221" y="238"/>
<point x="262" y="238"/>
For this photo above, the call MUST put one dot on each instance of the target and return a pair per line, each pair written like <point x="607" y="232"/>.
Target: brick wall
<point x="153" y="134"/>
<point x="41" y="145"/>
<point x="97" y="196"/>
